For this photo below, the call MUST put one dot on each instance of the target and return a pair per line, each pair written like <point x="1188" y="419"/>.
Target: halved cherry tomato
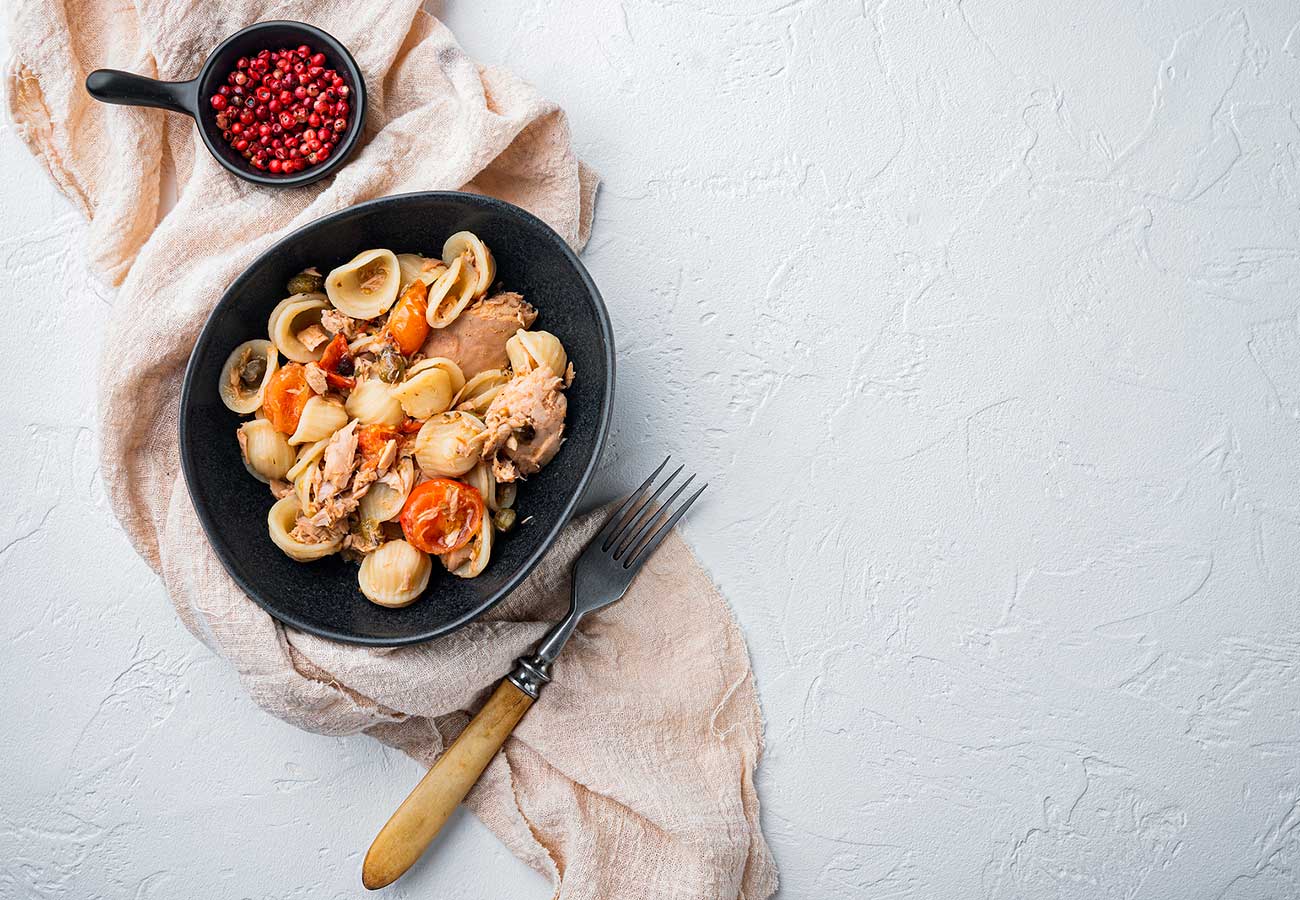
<point x="371" y="439"/>
<point x="340" y="382"/>
<point x="332" y="360"/>
<point x="441" y="515"/>
<point x="287" y="392"/>
<point x="337" y="363"/>
<point x="406" y="322"/>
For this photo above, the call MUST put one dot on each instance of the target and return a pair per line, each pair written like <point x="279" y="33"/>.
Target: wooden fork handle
<point x="422" y="814"/>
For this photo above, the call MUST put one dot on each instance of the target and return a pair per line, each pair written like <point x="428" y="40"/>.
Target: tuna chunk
<point x="476" y="341"/>
<point x="525" y="425"/>
<point x="340" y="454"/>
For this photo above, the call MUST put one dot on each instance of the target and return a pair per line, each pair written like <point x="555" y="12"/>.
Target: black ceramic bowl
<point x="322" y="597"/>
<point x="191" y="97"/>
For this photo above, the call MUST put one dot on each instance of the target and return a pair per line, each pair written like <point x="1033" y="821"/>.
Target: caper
<point x="251" y="372"/>
<point x="504" y="519"/>
<point x="391" y="366"/>
<point x="306" y="283"/>
<point x="369" y="530"/>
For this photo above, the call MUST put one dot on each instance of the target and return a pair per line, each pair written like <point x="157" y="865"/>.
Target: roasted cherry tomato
<point x="337" y="358"/>
<point x="371" y="439"/>
<point x="340" y="382"/>
<point x="406" y="322"/>
<point x="441" y="515"/>
<point x="337" y="364"/>
<point x="287" y="392"/>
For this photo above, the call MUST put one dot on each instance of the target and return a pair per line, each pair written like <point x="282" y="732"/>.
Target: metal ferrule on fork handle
<point x="530" y="673"/>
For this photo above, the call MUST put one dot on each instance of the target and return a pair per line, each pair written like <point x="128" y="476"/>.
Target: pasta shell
<point x="280" y="522"/>
<point x="466" y="244"/>
<point x="290" y="319"/>
<point x="494" y="494"/>
<point x="279" y="308"/>
<point x="530" y="350"/>
<point x="429" y="387"/>
<point x="267" y="455"/>
<point x="477" y="394"/>
<point x="413" y="266"/>
<point x="450" y="294"/>
<point x="394" y="575"/>
<point x="372" y="403"/>
<point x="366" y="286"/>
<point x="383" y="501"/>
<point x="238" y="395"/>
<point x="320" y="418"/>
<point x="306" y="457"/>
<point x="480" y="550"/>
<point x="448" y="444"/>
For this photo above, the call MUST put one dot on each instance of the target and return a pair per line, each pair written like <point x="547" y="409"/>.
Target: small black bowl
<point x="191" y="97"/>
<point x="322" y="597"/>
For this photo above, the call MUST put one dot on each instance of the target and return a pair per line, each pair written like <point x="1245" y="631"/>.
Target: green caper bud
<point x="306" y="283"/>
<point x="504" y="519"/>
<point x="251" y="372"/>
<point x="391" y="366"/>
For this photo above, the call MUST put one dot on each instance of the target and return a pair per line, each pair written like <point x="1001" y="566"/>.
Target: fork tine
<point x="629" y="521"/>
<point x="645" y="524"/>
<point x="609" y="528"/>
<point x="642" y="553"/>
<point x="645" y="512"/>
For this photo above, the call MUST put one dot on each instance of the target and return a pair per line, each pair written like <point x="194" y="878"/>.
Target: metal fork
<point x="600" y="577"/>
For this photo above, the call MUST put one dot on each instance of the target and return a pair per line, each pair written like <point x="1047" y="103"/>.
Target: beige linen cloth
<point x="633" y="776"/>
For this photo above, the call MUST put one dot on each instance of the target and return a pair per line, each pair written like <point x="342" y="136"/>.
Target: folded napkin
<point x="633" y="776"/>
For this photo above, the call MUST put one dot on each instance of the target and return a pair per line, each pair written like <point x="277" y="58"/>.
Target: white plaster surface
<point x="980" y="317"/>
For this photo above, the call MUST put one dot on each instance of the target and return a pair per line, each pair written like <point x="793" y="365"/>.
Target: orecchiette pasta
<point x="267" y="455"/>
<point x="366" y="286"/>
<point x="449" y="443"/>
<point x="494" y="494"/>
<point x="450" y="294"/>
<point x="282" y="522"/>
<point x="360" y="434"/>
<point x="528" y="350"/>
<point x="384" y="500"/>
<point x="374" y="403"/>
<point x="429" y="387"/>
<point x="244" y="376"/>
<point x="293" y="321"/>
<point x="307" y="456"/>
<point x="477" y="394"/>
<point x="414" y="266"/>
<point x="395" y="574"/>
<point x="291" y="299"/>
<point x="479" y="551"/>
<point x="466" y="245"/>
<point x="320" y="418"/>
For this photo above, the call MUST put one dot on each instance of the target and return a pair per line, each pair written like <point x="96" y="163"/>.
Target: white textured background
<point x="981" y="318"/>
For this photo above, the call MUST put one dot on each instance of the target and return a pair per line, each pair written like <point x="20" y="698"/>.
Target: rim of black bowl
<point x="602" y="429"/>
<point x="335" y="52"/>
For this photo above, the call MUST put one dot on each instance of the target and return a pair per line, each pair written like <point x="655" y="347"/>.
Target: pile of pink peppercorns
<point x="283" y="110"/>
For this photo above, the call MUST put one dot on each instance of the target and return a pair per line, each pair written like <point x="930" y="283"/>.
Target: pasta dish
<point x="396" y="404"/>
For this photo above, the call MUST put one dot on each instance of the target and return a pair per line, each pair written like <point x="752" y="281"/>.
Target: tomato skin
<point x="406" y="322"/>
<point x="371" y="439"/>
<point x="340" y="382"/>
<point x="287" y="392"/>
<point x="441" y="515"/>
<point x="337" y="358"/>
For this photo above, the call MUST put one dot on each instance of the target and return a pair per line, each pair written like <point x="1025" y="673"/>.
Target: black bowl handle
<point x="128" y="89"/>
